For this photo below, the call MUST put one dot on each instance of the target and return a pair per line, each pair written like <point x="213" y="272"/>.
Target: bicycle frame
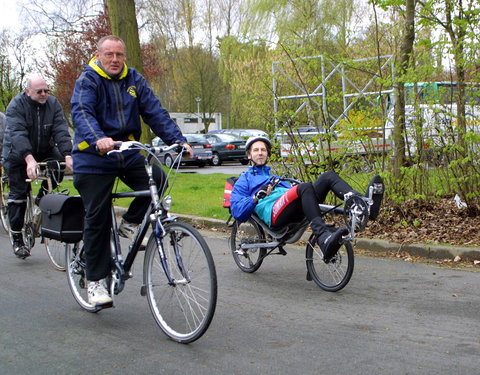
<point x="354" y="215"/>
<point x="182" y="295"/>
<point x="156" y="217"/>
<point x="292" y="232"/>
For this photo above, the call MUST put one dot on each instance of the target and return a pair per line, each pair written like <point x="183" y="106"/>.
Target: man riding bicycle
<point x="277" y="206"/>
<point x="36" y="130"/>
<point x="107" y="103"/>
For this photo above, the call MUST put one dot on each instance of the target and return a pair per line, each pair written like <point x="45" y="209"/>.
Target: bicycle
<point x="252" y="241"/>
<point x="179" y="276"/>
<point x="49" y="171"/>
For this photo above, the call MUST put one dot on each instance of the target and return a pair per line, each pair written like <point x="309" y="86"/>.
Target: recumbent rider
<point x="284" y="204"/>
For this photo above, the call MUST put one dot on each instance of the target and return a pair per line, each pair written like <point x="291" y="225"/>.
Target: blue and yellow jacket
<point x="248" y="184"/>
<point x="103" y="106"/>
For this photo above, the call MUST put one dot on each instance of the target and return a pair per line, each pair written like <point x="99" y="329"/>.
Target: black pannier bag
<point x="62" y="217"/>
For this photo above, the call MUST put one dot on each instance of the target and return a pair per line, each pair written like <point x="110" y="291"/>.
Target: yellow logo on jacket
<point x="132" y="91"/>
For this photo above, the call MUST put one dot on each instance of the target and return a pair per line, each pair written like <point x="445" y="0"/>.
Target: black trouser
<point x="19" y="187"/>
<point x="96" y="195"/>
<point x="310" y="194"/>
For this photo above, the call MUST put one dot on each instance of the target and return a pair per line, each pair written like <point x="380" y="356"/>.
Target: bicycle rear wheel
<point x="76" y="276"/>
<point x="248" y="233"/>
<point x="56" y="253"/>
<point x="334" y="275"/>
<point x="184" y="310"/>
<point x="3" y="202"/>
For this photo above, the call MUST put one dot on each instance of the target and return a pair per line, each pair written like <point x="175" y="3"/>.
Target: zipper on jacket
<point x="119" y="103"/>
<point x="39" y="130"/>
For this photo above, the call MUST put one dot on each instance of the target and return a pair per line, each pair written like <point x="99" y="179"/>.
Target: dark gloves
<point x="262" y="193"/>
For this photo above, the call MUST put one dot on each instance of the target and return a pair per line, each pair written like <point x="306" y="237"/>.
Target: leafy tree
<point x="404" y="60"/>
<point x="10" y="82"/>
<point x="70" y="54"/>
<point x="460" y="20"/>
<point x="245" y="69"/>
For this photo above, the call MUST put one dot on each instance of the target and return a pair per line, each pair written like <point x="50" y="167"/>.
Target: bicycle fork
<point x="161" y="234"/>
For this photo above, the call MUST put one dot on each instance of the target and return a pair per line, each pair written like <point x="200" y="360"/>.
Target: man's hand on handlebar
<point x="68" y="163"/>
<point x="32" y="167"/>
<point x="188" y="150"/>
<point x="104" y="145"/>
<point x="263" y="192"/>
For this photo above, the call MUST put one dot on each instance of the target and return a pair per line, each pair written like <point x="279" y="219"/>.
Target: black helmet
<point x="252" y="140"/>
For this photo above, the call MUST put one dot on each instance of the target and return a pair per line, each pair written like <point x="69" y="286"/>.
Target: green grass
<point x="199" y="195"/>
<point x="192" y="193"/>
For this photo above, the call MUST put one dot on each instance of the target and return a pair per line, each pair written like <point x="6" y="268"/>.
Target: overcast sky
<point x="9" y="14"/>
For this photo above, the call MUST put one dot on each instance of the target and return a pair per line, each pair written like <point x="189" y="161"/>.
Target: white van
<point x="313" y="146"/>
<point x="432" y="105"/>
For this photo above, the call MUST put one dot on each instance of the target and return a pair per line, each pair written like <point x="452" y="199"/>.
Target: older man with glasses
<point x="36" y="130"/>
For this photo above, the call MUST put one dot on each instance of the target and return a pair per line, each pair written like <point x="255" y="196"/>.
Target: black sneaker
<point x="330" y="242"/>
<point x="19" y="248"/>
<point x="378" y="187"/>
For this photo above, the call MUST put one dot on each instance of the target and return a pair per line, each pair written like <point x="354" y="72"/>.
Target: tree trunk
<point x="124" y="25"/>
<point x="404" y="59"/>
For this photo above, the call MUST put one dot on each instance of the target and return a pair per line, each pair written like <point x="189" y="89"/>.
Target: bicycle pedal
<point x="104" y="305"/>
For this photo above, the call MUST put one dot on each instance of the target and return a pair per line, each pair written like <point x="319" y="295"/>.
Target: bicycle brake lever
<point x="122" y="146"/>
<point x="274" y="181"/>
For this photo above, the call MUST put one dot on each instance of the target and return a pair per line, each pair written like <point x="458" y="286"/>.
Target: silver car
<point x="202" y="151"/>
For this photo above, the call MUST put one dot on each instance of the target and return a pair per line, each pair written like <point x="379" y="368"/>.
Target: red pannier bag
<point x="227" y="192"/>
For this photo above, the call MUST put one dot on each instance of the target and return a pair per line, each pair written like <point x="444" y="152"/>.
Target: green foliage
<point x="10" y="80"/>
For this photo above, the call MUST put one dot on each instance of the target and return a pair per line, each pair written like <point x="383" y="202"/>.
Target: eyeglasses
<point x="46" y="91"/>
<point x="111" y="55"/>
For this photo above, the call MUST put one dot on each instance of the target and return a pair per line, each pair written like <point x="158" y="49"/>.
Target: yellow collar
<point x="100" y="71"/>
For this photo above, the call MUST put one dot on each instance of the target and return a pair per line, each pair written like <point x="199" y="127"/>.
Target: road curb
<point x="434" y="251"/>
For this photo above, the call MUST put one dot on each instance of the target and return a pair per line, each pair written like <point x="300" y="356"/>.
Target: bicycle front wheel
<point x="335" y="274"/>
<point x="56" y="253"/>
<point x="76" y="275"/>
<point x="182" y="309"/>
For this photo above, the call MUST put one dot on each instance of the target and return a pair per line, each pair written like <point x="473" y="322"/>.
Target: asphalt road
<point x="392" y="318"/>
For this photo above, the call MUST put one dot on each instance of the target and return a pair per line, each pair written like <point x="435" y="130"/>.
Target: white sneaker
<point x="127" y="229"/>
<point x="98" y="294"/>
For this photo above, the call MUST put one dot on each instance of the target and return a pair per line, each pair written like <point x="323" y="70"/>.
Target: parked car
<point x="243" y="133"/>
<point x="226" y="147"/>
<point x="202" y="151"/>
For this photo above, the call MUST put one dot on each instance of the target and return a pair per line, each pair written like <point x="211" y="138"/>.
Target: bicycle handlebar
<point x="134" y="145"/>
<point x="44" y="169"/>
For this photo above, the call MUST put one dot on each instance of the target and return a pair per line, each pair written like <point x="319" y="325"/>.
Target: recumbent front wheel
<point x="335" y="274"/>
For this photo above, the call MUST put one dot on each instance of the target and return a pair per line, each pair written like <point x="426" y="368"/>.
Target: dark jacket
<point x="3" y="123"/>
<point x="34" y="128"/>
<point x="103" y="106"/>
